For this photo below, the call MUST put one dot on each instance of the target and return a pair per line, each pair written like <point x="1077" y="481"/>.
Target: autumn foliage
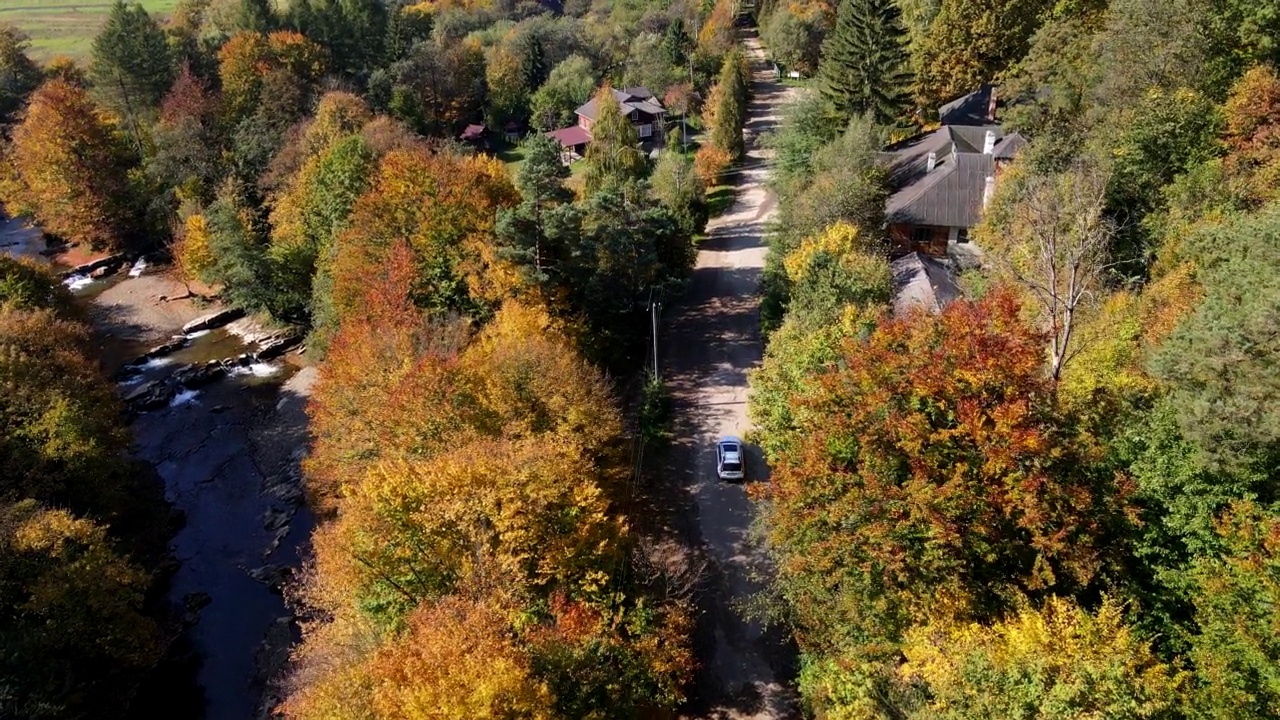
<point x="1056" y="661"/>
<point x="709" y="162"/>
<point x="74" y="512"/>
<point x="442" y="208"/>
<point x="471" y="477"/>
<point x="70" y="169"/>
<point x="457" y="659"/>
<point x="932" y="476"/>
<point x="249" y="57"/>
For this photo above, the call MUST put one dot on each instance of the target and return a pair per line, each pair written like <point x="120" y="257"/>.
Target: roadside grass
<point x="66" y="27"/>
<point x="512" y="155"/>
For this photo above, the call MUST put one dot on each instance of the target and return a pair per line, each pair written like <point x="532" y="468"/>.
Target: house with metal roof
<point x="640" y="106"/>
<point x="940" y="181"/>
<point x="920" y="281"/>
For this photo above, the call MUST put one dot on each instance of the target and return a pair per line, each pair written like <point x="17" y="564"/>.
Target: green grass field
<point x="66" y="27"/>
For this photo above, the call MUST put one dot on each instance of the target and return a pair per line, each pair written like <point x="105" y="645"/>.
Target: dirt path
<point x="712" y="341"/>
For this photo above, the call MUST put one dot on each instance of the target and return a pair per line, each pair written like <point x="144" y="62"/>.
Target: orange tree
<point x="69" y="169"/>
<point x="932" y="476"/>
<point x="442" y="207"/>
<point x="471" y="468"/>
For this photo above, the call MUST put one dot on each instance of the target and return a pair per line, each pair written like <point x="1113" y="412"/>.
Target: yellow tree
<point x="1057" y="662"/>
<point x="76" y="639"/>
<point x="528" y="515"/>
<point x="503" y="465"/>
<point x="338" y="114"/>
<point x="248" y="57"/>
<point x="192" y="257"/>
<point x="70" y="169"/>
<point x="528" y="379"/>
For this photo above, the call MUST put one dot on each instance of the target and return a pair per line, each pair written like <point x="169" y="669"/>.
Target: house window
<point x="646" y="130"/>
<point x="921" y="236"/>
<point x="963" y="235"/>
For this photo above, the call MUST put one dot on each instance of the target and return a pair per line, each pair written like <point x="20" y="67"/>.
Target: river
<point x="228" y="454"/>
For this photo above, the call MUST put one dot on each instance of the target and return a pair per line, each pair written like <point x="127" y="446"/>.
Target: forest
<point x="1056" y="497"/>
<point x="476" y="553"/>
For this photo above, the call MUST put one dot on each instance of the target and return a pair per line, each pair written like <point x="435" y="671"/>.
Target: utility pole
<point x="654" y="308"/>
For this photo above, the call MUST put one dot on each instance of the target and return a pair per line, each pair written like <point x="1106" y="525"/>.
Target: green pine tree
<point x="353" y="31"/>
<point x="527" y="234"/>
<point x="730" y="105"/>
<point x="131" y="68"/>
<point x="255" y="15"/>
<point x="864" y="60"/>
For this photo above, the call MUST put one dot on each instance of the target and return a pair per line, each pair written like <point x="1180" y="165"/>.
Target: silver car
<point x="730" y="460"/>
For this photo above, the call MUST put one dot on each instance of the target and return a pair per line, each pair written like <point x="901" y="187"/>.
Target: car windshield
<point x="729" y="448"/>
<point x="732" y="466"/>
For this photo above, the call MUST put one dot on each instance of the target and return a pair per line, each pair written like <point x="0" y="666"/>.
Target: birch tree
<point x="1052" y="237"/>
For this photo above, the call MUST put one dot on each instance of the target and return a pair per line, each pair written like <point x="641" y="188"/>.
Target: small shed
<point x="922" y="281"/>
<point x="474" y="135"/>
<point x="573" y="142"/>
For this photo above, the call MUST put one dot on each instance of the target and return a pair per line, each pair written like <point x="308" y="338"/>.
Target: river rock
<point x="271" y="575"/>
<point x="275" y="518"/>
<point x="90" y="268"/>
<point x="177" y="343"/>
<point x="286" y="491"/>
<point x="99" y="273"/>
<point x="196" y="601"/>
<point x="276" y="345"/>
<point x="276" y="539"/>
<point x="213" y="320"/>
<point x="192" y="604"/>
<point x="149" y="395"/>
<point x="193" y="376"/>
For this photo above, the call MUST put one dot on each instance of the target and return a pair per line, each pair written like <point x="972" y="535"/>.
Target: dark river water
<point x="228" y="454"/>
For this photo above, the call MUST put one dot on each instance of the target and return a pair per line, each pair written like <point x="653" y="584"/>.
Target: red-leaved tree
<point x="934" y="476"/>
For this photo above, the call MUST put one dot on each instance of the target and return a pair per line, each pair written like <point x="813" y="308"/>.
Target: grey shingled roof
<point x="921" y="281"/>
<point x="971" y="109"/>
<point x="1009" y="147"/>
<point x="636" y="98"/>
<point x="950" y="195"/>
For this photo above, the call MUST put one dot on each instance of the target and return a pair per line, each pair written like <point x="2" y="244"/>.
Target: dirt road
<point x="712" y="340"/>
